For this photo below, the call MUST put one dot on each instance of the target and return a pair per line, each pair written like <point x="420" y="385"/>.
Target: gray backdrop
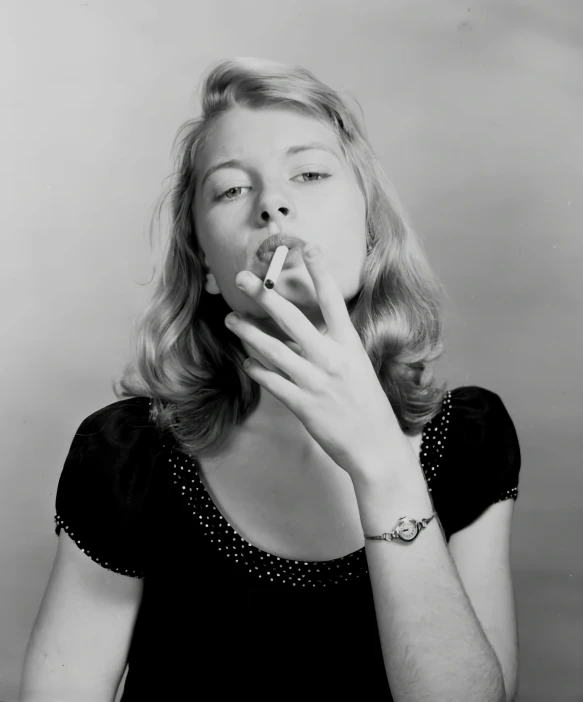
<point x="475" y="109"/>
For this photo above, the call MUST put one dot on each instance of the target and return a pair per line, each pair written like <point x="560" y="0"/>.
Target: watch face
<point x="408" y="530"/>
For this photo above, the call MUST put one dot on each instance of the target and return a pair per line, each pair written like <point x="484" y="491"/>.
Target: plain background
<point x="475" y="110"/>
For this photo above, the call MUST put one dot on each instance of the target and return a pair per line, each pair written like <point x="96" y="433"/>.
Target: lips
<point x="269" y="245"/>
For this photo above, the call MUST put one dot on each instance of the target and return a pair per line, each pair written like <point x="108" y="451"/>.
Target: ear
<point x="210" y="285"/>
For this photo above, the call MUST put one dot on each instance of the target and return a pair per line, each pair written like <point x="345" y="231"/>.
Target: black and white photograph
<point x="293" y="318"/>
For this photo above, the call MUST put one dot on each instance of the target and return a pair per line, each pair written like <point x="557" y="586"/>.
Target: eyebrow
<point x="235" y="163"/>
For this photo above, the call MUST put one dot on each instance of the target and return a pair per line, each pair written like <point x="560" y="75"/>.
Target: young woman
<point x="214" y="522"/>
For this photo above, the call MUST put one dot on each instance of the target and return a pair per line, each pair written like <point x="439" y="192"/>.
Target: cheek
<point x="344" y="223"/>
<point x="345" y="241"/>
<point x="351" y="203"/>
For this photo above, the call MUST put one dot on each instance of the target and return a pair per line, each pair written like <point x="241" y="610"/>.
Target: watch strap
<point x="396" y="532"/>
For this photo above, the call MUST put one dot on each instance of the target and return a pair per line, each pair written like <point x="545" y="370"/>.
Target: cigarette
<point x="275" y="266"/>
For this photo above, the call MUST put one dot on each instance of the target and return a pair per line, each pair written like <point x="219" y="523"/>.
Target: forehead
<point x="244" y="132"/>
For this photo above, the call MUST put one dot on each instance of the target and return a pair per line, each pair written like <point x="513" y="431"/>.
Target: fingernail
<point x="242" y="280"/>
<point x="311" y="251"/>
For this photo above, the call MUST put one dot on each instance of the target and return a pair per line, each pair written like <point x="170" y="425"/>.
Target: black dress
<point x="221" y="618"/>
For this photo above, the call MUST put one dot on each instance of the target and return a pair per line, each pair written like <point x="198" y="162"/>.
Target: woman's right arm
<point x="79" y="644"/>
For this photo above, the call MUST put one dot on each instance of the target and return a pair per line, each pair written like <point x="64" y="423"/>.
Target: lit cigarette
<point x="275" y="266"/>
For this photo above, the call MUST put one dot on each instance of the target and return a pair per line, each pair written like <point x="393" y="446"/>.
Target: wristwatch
<point x="407" y="530"/>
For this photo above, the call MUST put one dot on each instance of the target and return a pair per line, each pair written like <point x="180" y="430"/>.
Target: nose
<point x="275" y="204"/>
<point x="268" y="215"/>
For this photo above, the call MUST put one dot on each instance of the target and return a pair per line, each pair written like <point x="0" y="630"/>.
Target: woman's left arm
<point x="433" y="645"/>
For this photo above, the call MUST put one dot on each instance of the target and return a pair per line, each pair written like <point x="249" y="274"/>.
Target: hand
<point x="332" y="387"/>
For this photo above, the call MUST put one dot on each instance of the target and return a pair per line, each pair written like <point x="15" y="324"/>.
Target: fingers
<point x="330" y="298"/>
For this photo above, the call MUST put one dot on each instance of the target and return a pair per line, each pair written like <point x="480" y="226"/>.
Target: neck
<point x="271" y="416"/>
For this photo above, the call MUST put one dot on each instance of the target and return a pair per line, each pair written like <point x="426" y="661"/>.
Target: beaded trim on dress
<point x="262" y="565"/>
<point x="268" y="566"/>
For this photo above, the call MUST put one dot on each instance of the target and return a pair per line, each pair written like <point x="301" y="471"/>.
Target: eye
<point x="321" y="176"/>
<point x="314" y="173"/>
<point x="223" y="196"/>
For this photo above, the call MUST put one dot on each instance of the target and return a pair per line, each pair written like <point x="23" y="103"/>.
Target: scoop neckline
<point x="228" y="527"/>
<point x="231" y="529"/>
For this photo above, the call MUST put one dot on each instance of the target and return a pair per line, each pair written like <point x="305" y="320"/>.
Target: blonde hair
<point x="185" y="359"/>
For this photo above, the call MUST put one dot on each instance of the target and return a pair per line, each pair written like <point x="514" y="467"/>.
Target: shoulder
<point x="474" y="398"/>
<point x="111" y="455"/>
<point x="120" y="425"/>
<point x="106" y="491"/>
<point x="479" y="414"/>
<point x="112" y="441"/>
<point x="130" y="413"/>
<point x="481" y="456"/>
<point x="115" y="446"/>
<point x="482" y="446"/>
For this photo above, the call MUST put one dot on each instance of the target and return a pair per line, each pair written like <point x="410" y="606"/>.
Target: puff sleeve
<point x="508" y="453"/>
<point x="484" y="455"/>
<point x="103" y="499"/>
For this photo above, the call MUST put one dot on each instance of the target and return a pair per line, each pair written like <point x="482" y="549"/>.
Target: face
<point x="311" y="194"/>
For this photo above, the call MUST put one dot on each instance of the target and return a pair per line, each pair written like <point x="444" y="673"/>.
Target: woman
<point x="214" y="523"/>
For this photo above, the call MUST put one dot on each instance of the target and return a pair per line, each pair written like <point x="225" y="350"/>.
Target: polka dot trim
<point x="267" y="566"/>
<point x="104" y="564"/>
<point x="509" y="494"/>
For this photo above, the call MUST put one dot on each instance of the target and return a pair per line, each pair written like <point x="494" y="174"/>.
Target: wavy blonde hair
<point x="185" y="359"/>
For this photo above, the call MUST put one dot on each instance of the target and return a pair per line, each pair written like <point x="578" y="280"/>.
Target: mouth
<point x="267" y="248"/>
